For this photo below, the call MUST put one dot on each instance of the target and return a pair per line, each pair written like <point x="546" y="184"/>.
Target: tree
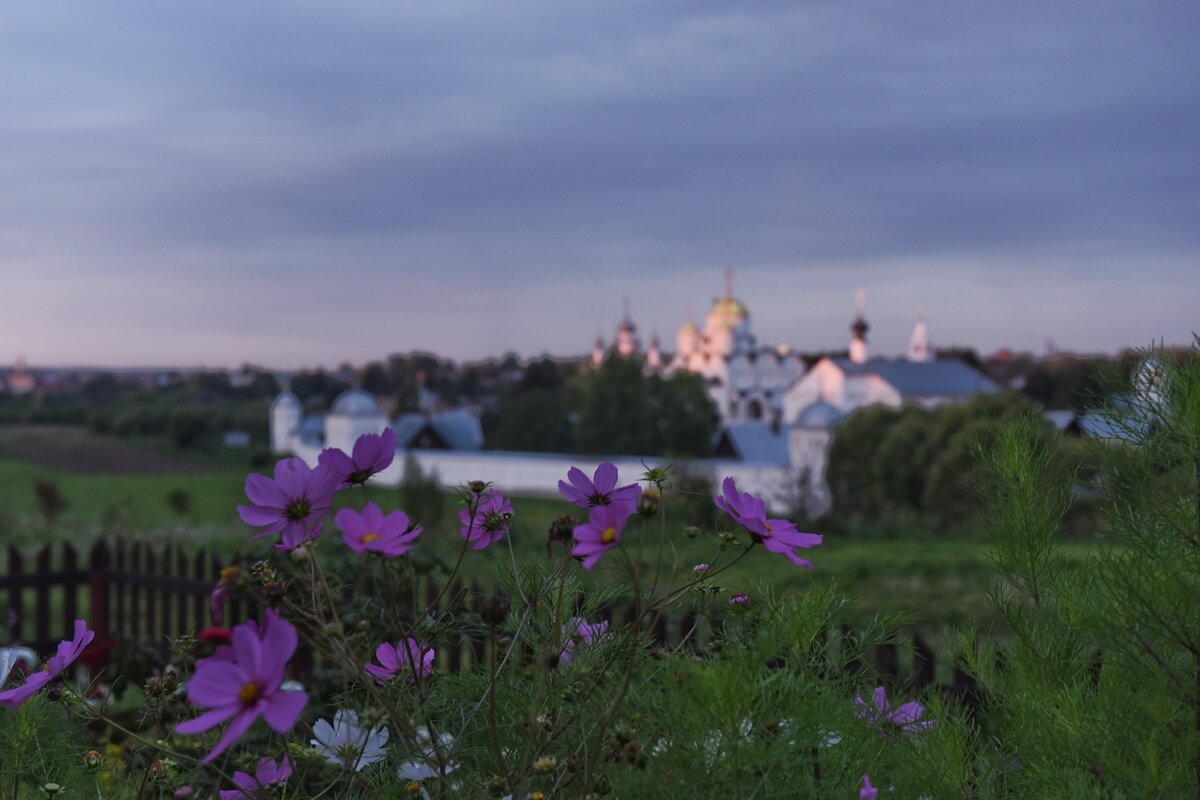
<point x="623" y="410"/>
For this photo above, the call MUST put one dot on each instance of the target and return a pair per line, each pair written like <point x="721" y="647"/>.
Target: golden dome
<point x="688" y="327"/>
<point x="729" y="309"/>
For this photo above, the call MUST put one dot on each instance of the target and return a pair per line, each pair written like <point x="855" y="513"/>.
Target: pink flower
<point x="230" y="577"/>
<point x="776" y="535"/>
<point x="700" y="569"/>
<point x="602" y="490"/>
<point x="578" y="630"/>
<point x="867" y="792"/>
<point x="373" y="453"/>
<point x="293" y="503"/>
<point x="739" y="599"/>
<point x="68" y="651"/>
<point x="370" y="531"/>
<point x="490" y="521"/>
<point x="268" y="775"/>
<point x="411" y="658"/>
<point x="905" y="719"/>
<point x="242" y="682"/>
<point x="600" y="533"/>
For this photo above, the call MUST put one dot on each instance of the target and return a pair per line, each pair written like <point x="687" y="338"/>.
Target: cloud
<point x="472" y="177"/>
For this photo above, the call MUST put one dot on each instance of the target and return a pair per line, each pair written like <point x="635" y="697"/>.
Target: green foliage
<point x="621" y="409"/>
<point x="50" y="500"/>
<point x="1100" y="687"/>
<point x="883" y="460"/>
<point x="421" y="495"/>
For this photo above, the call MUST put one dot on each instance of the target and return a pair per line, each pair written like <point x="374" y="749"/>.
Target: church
<point x="778" y="415"/>
<point x="745" y="381"/>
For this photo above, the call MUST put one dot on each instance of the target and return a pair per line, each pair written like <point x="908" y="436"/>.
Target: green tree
<point x="623" y="410"/>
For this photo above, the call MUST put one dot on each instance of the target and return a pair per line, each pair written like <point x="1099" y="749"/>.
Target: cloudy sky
<point x="310" y="182"/>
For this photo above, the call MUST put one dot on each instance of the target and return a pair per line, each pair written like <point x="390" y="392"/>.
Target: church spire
<point x="918" y="345"/>
<point x="728" y="282"/>
<point x="858" y="345"/>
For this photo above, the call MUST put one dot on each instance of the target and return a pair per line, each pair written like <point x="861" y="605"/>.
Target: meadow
<point x="115" y="488"/>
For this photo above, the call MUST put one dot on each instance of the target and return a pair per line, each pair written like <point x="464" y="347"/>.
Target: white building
<point x="778" y="419"/>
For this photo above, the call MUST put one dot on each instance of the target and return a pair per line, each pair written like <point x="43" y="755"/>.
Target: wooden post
<point x="98" y="582"/>
<point x="70" y="583"/>
<point x="15" y="586"/>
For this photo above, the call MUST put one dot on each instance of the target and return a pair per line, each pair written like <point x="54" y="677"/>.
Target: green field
<point x="931" y="580"/>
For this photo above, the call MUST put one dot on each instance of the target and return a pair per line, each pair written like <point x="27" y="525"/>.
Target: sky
<point x="308" y="183"/>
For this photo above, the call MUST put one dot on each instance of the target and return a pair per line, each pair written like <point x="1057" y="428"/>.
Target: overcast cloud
<point x="303" y="183"/>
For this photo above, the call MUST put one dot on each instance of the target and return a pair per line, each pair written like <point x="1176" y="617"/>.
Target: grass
<point x="931" y="580"/>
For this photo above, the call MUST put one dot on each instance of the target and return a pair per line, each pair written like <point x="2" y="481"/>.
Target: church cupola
<point x="653" y="355"/>
<point x="859" y="328"/>
<point x="627" y="343"/>
<point x="918" y="345"/>
<point x="687" y="337"/>
<point x="598" y="352"/>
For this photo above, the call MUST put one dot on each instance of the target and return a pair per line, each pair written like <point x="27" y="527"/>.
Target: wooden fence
<point x="141" y="592"/>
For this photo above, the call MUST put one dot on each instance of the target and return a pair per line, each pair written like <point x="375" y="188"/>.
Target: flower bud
<point x="492" y="609"/>
<point x="700" y="569"/>
<point x="182" y="793"/>
<point x="477" y="487"/>
<point x="550" y="657"/>
<point x="92" y="759"/>
<point x="740" y="600"/>
<point x="649" y="502"/>
<point x="497" y="786"/>
<point x="545" y="765"/>
<point x="51" y="789"/>
<point x="691" y="531"/>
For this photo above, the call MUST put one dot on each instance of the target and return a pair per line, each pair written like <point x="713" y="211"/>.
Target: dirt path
<point x="79" y="450"/>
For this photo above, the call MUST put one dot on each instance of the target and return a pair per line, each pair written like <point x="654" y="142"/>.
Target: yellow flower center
<point x="413" y="788"/>
<point x="370" y="537"/>
<point x="768" y="526"/>
<point x="609" y="536"/>
<point x="249" y="693"/>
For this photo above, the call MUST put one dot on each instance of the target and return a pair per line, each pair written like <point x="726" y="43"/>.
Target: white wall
<point x="538" y="474"/>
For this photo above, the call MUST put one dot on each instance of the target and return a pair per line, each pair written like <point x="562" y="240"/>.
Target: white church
<point x="777" y="417"/>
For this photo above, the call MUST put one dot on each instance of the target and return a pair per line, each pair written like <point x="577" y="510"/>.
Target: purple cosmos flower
<point x="370" y="531"/>
<point x="373" y="453"/>
<point x="68" y="651"/>
<point x="600" y="533"/>
<point x="700" y="569"/>
<point x="776" y="535"/>
<point x="268" y="775"/>
<point x="293" y="503"/>
<point x="230" y="577"/>
<point x="905" y="719"/>
<point x="578" y="630"/>
<point x="242" y="682"/>
<point x="410" y="658"/>
<point x="867" y="792"/>
<point x="490" y="522"/>
<point x="602" y="490"/>
<point x="739" y="599"/>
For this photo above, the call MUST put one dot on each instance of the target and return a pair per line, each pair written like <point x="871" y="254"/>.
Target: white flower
<point x="9" y="656"/>
<point x="347" y="742"/>
<point x="420" y="769"/>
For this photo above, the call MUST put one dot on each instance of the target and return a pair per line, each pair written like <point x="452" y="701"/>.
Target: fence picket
<point x="137" y="592"/>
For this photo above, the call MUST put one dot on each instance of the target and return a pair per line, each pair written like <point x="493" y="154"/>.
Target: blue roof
<point x="923" y="378"/>
<point x="758" y="443"/>
<point x="312" y="429"/>
<point x="459" y="429"/>
<point x="818" y="415"/>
